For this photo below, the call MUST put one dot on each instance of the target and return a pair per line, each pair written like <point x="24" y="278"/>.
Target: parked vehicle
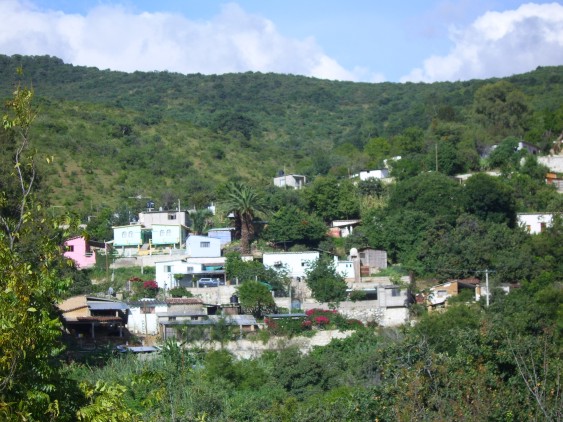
<point x="210" y="282"/>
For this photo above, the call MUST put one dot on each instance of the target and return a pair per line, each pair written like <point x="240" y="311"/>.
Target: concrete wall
<point x="247" y="349"/>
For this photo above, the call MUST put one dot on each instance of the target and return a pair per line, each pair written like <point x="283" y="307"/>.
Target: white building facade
<point x="296" y="263"/>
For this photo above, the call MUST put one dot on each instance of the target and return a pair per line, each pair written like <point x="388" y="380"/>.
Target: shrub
<point x="180" y="292"/>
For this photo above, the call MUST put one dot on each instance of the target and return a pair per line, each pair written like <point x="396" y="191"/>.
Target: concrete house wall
<point x="372" y="174"/>
<point x="223" y="234"/>
<point x="165" y="271"/>
<point x="168" y="234"/>
<point x="534" y="223"/>
<point x="127" y="235"/>
<point x="77" y="249"/>
<point x="203" y="247"/>
<point x="150" y="218"/>
<point x="142" y="318"/>
<point x="295" y="262"/>
<point x="294" y="181"/>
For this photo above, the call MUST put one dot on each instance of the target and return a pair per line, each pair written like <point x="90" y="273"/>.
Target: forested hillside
<point x="168" y="136"/>
<point x="103" y="137"/>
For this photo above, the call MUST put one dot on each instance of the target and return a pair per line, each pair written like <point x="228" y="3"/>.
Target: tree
<point x="245" y="203"/>
<point x="255" y="270"/>
<point x="501" y="106"/>
<point x="325" y="283"/>
<point x="256" y="298"/>
<point x="29" y="284"/>
<point x="200" y="220"/>
<point x="331" y="198"/>
<point x="432" y="193"/>
<point x="293" y="225"/>
<point x="489" y="199"/>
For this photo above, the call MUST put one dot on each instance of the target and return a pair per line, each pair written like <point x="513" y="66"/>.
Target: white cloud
<point x="499" y="44"/>
<point x="115" y="37"/>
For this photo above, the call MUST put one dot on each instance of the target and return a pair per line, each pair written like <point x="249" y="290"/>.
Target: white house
<point x="294" y="181"/>
<point x="371" y="174"/>
<point x="343" y="228"/>
<point x="146" y="315"/>
<point x="182" y="272"/>
<point x="142" y="318"/>
<point x="344" y="268"/>
<point x="296" y="263"/>
<point x="535" y="223"/>
<point x="203" y="247"/>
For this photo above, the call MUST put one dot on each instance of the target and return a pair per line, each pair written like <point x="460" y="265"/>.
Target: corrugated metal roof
<point x="107" y="306"/>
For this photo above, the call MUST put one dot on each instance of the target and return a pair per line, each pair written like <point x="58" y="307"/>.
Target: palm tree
<point x="200" y="220"/>
<point x="245" y="203"/>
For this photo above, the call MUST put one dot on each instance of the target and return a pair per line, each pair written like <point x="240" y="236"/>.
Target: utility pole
<point x="487" y="271"/>
<point x="487" y="284"/>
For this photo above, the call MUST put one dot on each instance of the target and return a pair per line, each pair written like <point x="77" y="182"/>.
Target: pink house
<point x="78" y="249"/>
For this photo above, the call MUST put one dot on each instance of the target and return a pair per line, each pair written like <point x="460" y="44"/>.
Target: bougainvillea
<point x="150" y="284"/>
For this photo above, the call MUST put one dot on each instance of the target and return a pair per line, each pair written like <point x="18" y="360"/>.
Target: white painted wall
<point x="296" y="263"/>
<point x="533" y="222"/>
<point x="203" y="247"/>
<point x="144" y="323"/>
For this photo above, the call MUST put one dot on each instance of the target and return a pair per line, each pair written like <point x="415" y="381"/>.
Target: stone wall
<point x="247" y="349"/>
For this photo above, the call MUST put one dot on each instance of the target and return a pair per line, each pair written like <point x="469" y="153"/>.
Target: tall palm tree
<point x="245" y="203"/>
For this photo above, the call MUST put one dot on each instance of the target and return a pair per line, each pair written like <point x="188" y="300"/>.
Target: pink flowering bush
<point x="321" y="320"/>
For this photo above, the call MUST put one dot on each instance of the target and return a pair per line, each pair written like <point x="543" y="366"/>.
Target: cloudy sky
<point x="358" y="40"/>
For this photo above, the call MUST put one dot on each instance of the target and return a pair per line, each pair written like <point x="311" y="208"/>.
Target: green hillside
<point x="169" y="136"/>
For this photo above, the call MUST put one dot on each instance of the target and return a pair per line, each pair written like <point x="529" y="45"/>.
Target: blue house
<point x="225" y="234"/>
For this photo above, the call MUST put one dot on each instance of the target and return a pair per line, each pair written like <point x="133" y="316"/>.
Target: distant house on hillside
<point x="535" y="222"/>
<point x="296" y="263"/>
<point x="531" y="148"/>
<point x="79" y="250"/>
<point x="294" y="181"/>
<point x="225" y="234"/>
<point x="172" y="217"/>
<point x="203" y="247"/>
<point x="371" y="174"/>
<point x="343" y="228"/>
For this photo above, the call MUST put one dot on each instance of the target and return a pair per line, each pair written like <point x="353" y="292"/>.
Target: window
<point x="147" y="309"/>
<point x="130" y="234"/>
<point x="70" y="248"/>
<point x="124" y="234"/>
<point x="395" y="292"/>
<point x="162" y="233"/>
<point x="172" y="216"/>
<point x="204" y="244"/>
<point x="190" y="269"/>
<point x="168" y="268"/>
<point x="168" y="232"/>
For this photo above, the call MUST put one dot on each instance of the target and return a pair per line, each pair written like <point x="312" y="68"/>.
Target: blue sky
<point x="359" y="40"/>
